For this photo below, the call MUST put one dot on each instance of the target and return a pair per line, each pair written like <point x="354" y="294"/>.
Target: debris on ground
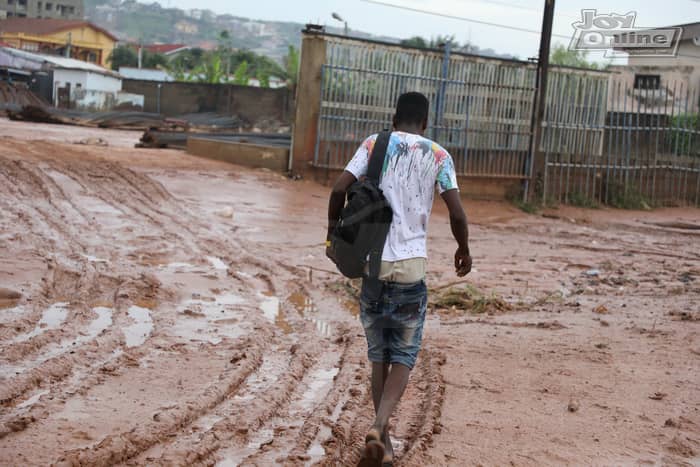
<point x="468" y="299"/>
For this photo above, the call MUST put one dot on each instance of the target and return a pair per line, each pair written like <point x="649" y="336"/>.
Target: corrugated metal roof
<point x="58" y="62"/>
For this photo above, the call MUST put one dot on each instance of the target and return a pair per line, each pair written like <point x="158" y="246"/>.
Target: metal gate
<point x="481" y="108"/>
<point x="643" y="151"/>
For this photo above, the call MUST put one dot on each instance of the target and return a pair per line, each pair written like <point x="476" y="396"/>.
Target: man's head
<point x="412" y="112"/>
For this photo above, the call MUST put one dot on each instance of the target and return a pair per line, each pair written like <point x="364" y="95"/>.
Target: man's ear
<point x="393" y="122"/>
<point x="424" y="125"/>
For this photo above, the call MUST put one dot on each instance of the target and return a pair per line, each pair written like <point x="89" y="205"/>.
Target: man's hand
<point x="463" y="262"/>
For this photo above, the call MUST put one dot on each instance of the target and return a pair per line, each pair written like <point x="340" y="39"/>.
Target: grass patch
<point x="528" y="207"/>
<point x="628" y="197"/>
<point x="582" y="201"/>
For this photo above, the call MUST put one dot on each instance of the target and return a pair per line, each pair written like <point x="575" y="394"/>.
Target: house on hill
<point x="64" y="9"/>
<point x="76" y="39"/>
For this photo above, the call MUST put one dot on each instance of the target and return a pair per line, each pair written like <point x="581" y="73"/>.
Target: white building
<point x="662" y="83"/>
<point x="76" y="84"/>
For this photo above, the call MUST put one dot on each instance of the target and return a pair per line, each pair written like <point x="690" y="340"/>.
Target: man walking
<point x="393" y="317"/>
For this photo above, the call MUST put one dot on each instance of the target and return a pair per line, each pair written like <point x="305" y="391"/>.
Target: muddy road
<point x="161" y="309"/>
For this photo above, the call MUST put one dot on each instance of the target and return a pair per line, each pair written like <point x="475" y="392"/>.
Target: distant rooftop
<point x="29" y="60"/>
<point x="166" y="49"/>
<point x="43" y="26"/>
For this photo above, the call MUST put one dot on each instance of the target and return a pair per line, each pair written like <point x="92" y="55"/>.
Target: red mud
<point x="161" y="309"/>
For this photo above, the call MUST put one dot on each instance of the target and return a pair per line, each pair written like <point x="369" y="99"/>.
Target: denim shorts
<point x="393" y="321"/>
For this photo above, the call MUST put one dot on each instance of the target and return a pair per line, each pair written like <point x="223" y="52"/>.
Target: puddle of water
<point x="95" y="259"/>
<point x="179" y="266"/>
<point x="9" y="314"/>
<point x="96" y="326"/>
<point x="270" y="307"/>
<point x="52" y="318"/>
<point x="324" y="328"/>
<point x="320" y="379"/>
<point x="32" y="400"/>
<point x="301" y="302"/>
<point x="99" y="324"/>
<point x="232" y="457"/>
<point x="210" y="319"/>
<point x="217" y="263"/>
<point x="137" y="333"/>
<point x="353" y="306"/>
<point x="316" y="451"/>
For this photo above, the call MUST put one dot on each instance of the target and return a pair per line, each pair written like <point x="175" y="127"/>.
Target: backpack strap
<point x="374" y="172"/>
<point x="376" y="162"/>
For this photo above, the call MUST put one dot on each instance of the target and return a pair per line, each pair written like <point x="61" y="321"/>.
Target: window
<point x="22" y="3"/>
<point x="10" y="2"/>
<point x="71" y="10"/>
<point x="49" y="6"/>
<point x="647" y="81"/>
<point x="39" y="5"/>
<point x="30" y="47"/>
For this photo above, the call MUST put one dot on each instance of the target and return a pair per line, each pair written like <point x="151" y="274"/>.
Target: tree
<point x="240" y="76"/>
<point x="415" y="41"/>
<point x="153" y="60"/>
<point x="291" y="65"/>
<point x="187" y="60"/>
<point x="123" y="55"/>
<point x="562" y="55"/>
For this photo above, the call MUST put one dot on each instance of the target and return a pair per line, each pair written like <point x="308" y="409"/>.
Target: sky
<point x="389" y="21"/>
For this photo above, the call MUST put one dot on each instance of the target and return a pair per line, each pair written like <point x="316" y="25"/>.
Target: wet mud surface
<point x="162" y="309"/>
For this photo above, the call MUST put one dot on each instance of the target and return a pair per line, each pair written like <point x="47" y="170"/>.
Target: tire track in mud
<point x="333" y="424"/>
<point x="418" y="417"/>
<point x="241" y="417"/>
<point x="123" y="446"/>
<point x="72" y="360"/>
<point x="21" y="176"/>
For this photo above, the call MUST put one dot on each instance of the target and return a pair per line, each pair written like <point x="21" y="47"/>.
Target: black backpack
<point x="359" y="235"/>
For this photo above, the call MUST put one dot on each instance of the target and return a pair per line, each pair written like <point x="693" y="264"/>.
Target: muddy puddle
<point x="137" y="333"/>
<point x="51" y="318"/>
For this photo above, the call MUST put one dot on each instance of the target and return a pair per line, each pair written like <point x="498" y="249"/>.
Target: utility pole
<point x="541" y="97"/>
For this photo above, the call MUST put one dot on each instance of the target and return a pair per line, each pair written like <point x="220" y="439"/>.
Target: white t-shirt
<point x="413" y="167"/>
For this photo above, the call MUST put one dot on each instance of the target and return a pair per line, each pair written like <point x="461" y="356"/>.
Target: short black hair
<point x="411" y="108"/>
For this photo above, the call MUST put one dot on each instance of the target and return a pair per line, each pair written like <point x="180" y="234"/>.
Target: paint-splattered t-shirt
<point x="413" y="167"/>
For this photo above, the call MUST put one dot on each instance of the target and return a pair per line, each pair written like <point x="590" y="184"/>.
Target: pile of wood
<point x="161" y="138"/>
<point x="13" y="96"/>
<point x="117" y="119"/>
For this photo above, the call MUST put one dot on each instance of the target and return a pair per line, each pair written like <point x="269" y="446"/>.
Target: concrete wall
<point x="250" y="155"/>
<point x="252" y="104"/>
<point x="98" y="82"/>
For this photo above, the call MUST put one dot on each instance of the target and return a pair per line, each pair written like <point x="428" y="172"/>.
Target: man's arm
<point x="460" y="231"/>
<point x="337" y="199"/>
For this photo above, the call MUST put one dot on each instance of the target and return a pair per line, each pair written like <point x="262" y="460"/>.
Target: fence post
<point x="535" y="157"/>
<point x="440" y="100"/>
<point x="308" y="102"/>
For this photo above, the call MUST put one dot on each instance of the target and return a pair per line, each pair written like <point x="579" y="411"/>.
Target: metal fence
<point x="643" y="151"/>
<point x="626" y="144"/>
<point x="481" y="108"/>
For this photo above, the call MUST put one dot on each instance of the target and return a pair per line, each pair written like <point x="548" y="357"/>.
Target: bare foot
<point x="373" y="454"/>
<point x="388" y="459"/>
